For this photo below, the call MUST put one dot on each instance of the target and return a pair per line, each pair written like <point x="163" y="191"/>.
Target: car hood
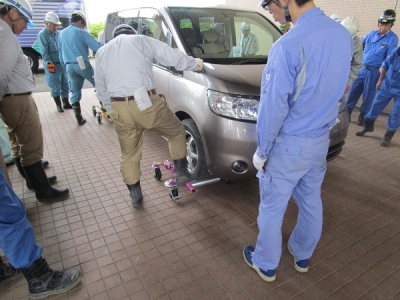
<point x="239" y="79"/>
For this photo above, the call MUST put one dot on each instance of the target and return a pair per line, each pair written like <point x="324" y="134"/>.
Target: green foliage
<point x="95" y="28"/>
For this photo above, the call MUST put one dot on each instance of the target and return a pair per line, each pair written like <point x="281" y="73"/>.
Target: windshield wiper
<point x="246" y="61"/>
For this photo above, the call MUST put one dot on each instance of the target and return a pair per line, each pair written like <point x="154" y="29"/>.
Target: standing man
<point x="306" y="74"/>
<point x="74" y="42"/>
<point x="352" y="25"/>
<point x="388" y="87"/>
<point x="126" y="88"/>
<point x="56" y="77"/>
<point x="248" y="41"/>
<point x="378" y="44"/>
<point x="17" y="105"/>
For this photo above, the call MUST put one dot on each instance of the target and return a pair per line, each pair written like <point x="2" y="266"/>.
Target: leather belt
<point x="21" y="94"/>
<point x="370" y="68"/>
<point x="117" y="99"/>
<point x="71" y="63"/>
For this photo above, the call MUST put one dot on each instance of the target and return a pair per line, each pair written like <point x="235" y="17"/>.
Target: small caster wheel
<point x="174" y="194"/>
<point x="157" y="173"/>
<point x="94" y="111"/>
<point x="99" y="118"/>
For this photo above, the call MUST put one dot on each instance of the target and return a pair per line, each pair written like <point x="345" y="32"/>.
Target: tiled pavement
<point x="193" y="250"/>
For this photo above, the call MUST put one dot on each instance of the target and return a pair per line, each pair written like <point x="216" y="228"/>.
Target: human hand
<point x="51" y="67"/>
<point x="378" y="85"/>
<point x="347" y="89"/>
<point x="258" y="162"/>
<point x="199" y="63"/>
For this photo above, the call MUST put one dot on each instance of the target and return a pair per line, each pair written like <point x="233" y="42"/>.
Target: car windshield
<point x="219" y="35"/>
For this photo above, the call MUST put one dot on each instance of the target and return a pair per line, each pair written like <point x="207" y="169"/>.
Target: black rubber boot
<point x="38" y="179"/>
<point x="78" y="115"/>
<point x="387" y="138"/>
<point x="66" y="103"/>
<point x="182" y="174"/>
<point x="52" y="179"/>
<point x="368" y="127"/>
<point x="350" y="110"/>
<point x="45" y="163"/>
<point x="57" y="100"/>
<point x="43" y="281"/>
<point x="361" y="121"/>
<point x="135" y="191"/>
<point x="7" y="273"/>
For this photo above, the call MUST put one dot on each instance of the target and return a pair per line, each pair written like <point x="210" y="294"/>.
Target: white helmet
<point x="52" y="17"/>
<point x="336" y="18"/>
<point x="80" y="14"/>
<point x="351" y="24"/>
<point x="245" y="26"/>
<point x="23" y="7"/>
<point x="123" y="29"/>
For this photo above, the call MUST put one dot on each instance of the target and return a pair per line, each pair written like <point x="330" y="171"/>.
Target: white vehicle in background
<point x="63" y="8"/>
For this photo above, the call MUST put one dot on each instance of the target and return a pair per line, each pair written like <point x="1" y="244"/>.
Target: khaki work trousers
<point x="130" y="124"/>
<point x="21" y="115"/>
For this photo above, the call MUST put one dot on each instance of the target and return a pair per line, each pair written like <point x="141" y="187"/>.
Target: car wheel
<point x="197" y="164"/>
<point x="33" y="60"/>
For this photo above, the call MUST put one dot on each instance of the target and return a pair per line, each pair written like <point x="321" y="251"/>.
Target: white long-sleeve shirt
<point x="15" y="73"/>
<point x="125" y="64"/>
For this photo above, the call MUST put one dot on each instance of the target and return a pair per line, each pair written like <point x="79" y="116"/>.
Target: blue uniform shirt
<point x="48" y="43"/>
<point x="73" y="42"/>
<point x="306" y="75"/>
<point x="392" y="66"/>
<point x="377" y="47"/>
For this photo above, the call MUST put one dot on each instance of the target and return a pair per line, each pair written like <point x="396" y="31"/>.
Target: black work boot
<point x="78" y="115"/>
<point x="45" y="163"/>
<point x="7" y="273"/>
<point x="350" y="110"/>
<point x="368" y="127"/>
<point x="387" y="138"/>
<point x="38" y="179"/>
<point x="66" y="104"/>
<point x="52" y="179"/>
<point x="182" y="174"/>
<point x="43" y="281"/>
<point x="136" y="194"/>
<point x="57" y="100"/>
<point x="361" y="121"/>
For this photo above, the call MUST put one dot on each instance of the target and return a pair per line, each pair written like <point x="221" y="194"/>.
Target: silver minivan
<point x="218" y="107"/>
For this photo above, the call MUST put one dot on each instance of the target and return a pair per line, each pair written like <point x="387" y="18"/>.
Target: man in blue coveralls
<point x="74" y="42"/>
<point x="388" y="87"/>
<point x="378" y="44"/>
<point x="56" y="76"/>
<point x="17" y="241"/>
<point x="306" y="74"/>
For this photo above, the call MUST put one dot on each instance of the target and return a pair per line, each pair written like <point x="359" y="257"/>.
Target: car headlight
<point x="233" y="107"/>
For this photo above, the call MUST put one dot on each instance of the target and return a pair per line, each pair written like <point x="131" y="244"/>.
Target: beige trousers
<point x="22" y="117"/>
<point x="130" y="124"/>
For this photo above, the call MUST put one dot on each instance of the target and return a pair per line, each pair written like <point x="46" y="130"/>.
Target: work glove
<point x="199" y="63"/>
<point x="51" y="67"/>
<point x="259" y="163"/>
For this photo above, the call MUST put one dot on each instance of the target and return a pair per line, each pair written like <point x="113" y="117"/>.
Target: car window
<point x="214" y="34"/>
<point x="129" y="16"/>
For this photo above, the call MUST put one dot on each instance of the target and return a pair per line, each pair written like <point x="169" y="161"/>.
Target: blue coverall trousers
<point x="58" y="81"/>
<point x="76" y="78"/>
<point x="296" y="167"/>
<point x="17" y="239"/>
<point x="365" y="84"/>
<point x="382" y="99"/>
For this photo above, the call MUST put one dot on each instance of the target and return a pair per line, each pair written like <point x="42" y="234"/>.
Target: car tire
<point x="33" y="60"/>
<point x="196" y="157"/>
